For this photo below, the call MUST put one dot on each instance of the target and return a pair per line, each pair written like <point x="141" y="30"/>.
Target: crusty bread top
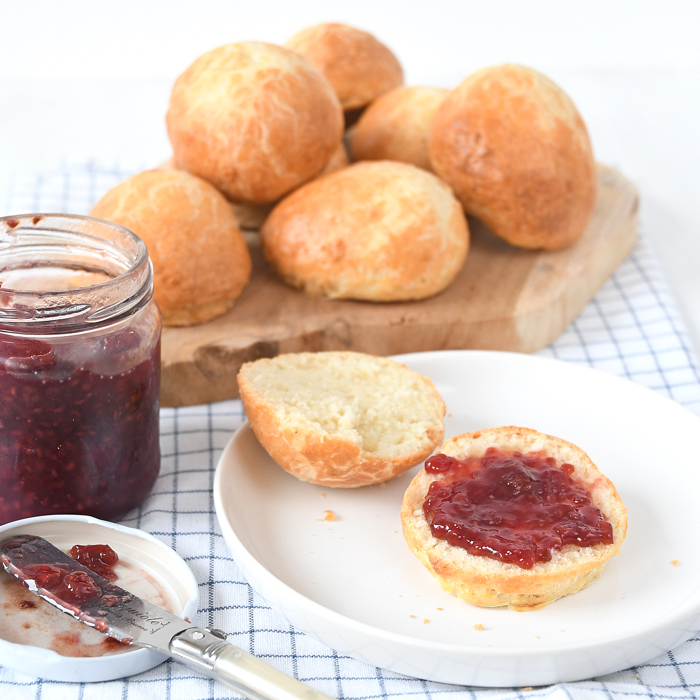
<point x="341" y="418"/>
<point x="396" y="126"/>
<point x="358" y="66"/>
<point x="376" y="230"/>
<point x="517" y="154"/>
<point x="200" y="260"/>
<point x="254" y="119"/>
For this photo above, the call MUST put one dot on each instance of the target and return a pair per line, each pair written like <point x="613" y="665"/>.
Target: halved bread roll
<point x="491" y="582"/>
<point x="341" y="418"/>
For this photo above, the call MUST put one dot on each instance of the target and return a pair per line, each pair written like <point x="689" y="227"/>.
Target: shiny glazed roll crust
<point x="254" y="119"/>
<point x="358" y="66"/>
<point x="200" y="260"/>
<point x="516" y="152"/>
<point x="396" y="126"/>
<point x="376" y="231"/>
<point x="491" y="583"/>
<point x="342" y="419"/>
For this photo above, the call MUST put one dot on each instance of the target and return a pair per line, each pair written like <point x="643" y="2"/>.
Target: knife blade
<point x="76" y="590"/>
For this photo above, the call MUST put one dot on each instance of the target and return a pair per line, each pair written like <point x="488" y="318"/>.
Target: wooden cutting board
<point x="504" y="298"/>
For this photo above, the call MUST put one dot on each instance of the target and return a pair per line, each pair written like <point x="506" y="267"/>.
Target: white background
<point x="86" y="81"/>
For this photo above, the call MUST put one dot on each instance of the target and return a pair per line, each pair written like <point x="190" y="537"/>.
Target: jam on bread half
<point x="512" y="517"/>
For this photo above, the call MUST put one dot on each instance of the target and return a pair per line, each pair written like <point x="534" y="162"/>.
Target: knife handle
<point x="213" y="656"/>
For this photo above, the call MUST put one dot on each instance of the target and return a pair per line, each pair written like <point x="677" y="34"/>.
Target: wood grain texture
<point x="504" y="298"/>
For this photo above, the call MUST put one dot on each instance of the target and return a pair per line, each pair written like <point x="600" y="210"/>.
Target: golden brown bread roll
<point x="254" y="119"/>
<point x="492" y="582"/>
<point x="517" y="154"/>
<point x="252" y="216"/>
<point x="396" y="126"/>
<point x="342" y="419"/>
<point x="376" y="230"/>
<point x="200" y="260"/>
<point x="358" y="66"/>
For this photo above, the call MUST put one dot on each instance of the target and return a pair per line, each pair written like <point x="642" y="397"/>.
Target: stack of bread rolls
<point x="270" y="131"/>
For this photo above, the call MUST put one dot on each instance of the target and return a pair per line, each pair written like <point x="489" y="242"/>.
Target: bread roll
<point x="200" y="260"/>
<point x="254" y="119"/>
<point x="396" y="126"/>
<point x="341" y="418"/>
<point x="376" y="231"/>
<point x="358" y="66"/>
<point x="488" y="582"/>
<point x="252" y="216"/>
<point x="517" y="154"/>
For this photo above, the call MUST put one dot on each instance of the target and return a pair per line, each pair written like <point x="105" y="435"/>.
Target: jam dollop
<point x="65" y="577"/>
<point x="512" y="507"/>
<point x="100" y="558"/>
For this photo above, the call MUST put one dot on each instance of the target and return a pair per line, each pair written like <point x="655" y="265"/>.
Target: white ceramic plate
<point x="353" y="584"/>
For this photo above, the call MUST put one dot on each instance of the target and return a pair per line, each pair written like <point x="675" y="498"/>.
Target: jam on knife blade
<point x="68" y="585"/>
<point x="80" y="592"/>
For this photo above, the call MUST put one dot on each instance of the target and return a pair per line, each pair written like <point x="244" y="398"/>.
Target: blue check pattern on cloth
<point x="631" y="328"/>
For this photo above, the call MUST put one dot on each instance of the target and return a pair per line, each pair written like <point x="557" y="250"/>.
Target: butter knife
<point x="60" y="580"/>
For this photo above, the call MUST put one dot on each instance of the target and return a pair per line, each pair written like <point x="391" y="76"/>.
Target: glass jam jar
<point x="79" y="368"/>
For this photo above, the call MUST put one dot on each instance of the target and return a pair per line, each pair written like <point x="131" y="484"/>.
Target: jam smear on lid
<point x="513" y="507"/>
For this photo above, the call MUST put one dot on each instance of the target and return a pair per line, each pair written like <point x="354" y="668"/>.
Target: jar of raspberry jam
<point x="79" y="368"/>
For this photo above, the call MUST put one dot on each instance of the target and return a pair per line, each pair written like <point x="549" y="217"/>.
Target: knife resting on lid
<point x="95" y="601"/>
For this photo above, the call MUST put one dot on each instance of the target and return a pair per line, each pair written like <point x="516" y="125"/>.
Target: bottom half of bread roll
<point x="488" y="580"/>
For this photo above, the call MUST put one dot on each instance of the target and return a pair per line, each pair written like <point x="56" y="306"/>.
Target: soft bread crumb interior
<point x="379" y="405"/>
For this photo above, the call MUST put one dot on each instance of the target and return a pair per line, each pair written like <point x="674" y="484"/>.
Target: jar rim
<point x="78" y="242"/>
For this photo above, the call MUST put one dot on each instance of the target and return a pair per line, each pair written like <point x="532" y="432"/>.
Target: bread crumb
<point x="412" y="616"/>
<point x="426" y="621"/>
<point x="636" y="675"/>
<point x="327" y="515"/>
<point x="536" y="636"/>
<point x="323" y="494"/>
<point x="478" y="627"/>
<point x="529" y="687"/>
<point x="441" y="608"/>
<point x="674" y="562"/>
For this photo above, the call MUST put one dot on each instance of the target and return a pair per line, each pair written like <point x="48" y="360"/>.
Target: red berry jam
<point x="100" y="558"/>
<point x="77" y="587"/>
<point x="78" y="425"/>
<point x="45" y="575"/>
<point x="66" y="585"/>
<point x="512" y="507"/>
